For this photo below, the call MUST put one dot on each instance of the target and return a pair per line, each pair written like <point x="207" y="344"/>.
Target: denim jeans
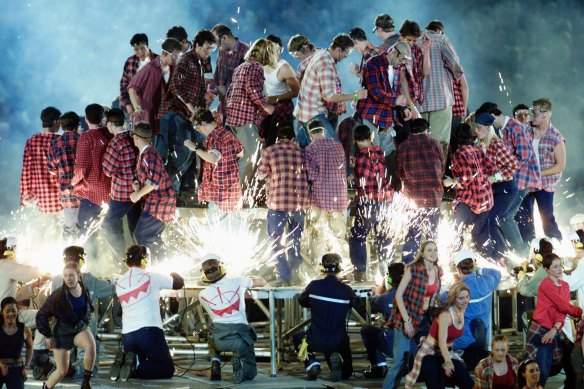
<point x="70" y="229"/>
<point x="330" y="126"/>
<point x="174" y="130"/>
<point x="13" y="380"/>
<point x="154" y="359"/>
<point x="480" y="231"/>
<point x="433" y="375"/>
<point x="148" y="233"/>
<point x="277" y="221"/>
<point x="423" y="225"/>
<point x="504" y="194"/>
<point x="509" y="225"/>
<point x="401" y="348"/>
<point x="545" y="203"/>
<point x="113" y="226"/>
<point x="379" y="342"/>
<point x="88" y="214"/>
<point x="249" y="138"/>
<point x="367" y="218"/>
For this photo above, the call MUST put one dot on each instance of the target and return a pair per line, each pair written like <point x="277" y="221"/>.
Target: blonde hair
<point x="490" y="135"/>
<point x="453" y="293"/>
<point x="263" y="51"/>
<point x="420" y="254"/>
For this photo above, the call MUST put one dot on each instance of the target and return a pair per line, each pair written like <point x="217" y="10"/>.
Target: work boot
<point x="237" y="370"/>
<point x="128" y="366"/>
<point x="336" y="367"/>
<point x="215" y="370"/>
<point x="313" y="372"/>
<point x="359" y="276"/>
<point x="116" y="366"/>
<point x="43" y="367"/>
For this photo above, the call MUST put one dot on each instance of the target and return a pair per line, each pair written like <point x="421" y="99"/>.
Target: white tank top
<point x="273" y="86"/>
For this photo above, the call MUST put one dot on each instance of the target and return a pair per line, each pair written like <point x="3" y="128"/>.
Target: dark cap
<point x="484" y="119"/>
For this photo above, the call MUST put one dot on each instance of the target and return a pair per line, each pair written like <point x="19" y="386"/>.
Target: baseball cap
<point x="464" y="254"/>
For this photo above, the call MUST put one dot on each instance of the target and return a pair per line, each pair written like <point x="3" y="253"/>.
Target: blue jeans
<point x="379" y="342"/>
<point x="433" y="375"/>
<point x="174" y="130"/>
<point x="509" y="225"/>
<point x="154" y="360"/>
<point x="504" y="194"/>
<point x="13" y="380"/>
<point x="545" y="203"/>
<point x="113" y="226"/>
<point x="544" y="360"/>
<point x="88" y="214"/>
<point x="401" y="348"/>
<point x="480" y="232"/>
<point x="330" y="125"/>
<point x="277" y="221"/>
<point x="423" y="225"/>
<point x="367" y="217"/>
<point x="148" y="233"/>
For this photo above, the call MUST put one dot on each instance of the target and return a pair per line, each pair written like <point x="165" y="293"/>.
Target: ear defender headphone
<point x="331" y="268"/>
<point x="538" y="256"/>
<point x="74" y="254"/>
<point x="214" y="273"/>
<point x="578" y="245"/>
<point x="389" y="280"/>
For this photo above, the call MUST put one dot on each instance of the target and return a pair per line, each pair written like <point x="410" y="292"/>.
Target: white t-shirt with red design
<point x="224" y="300"/>
<point x="139" y="293"/>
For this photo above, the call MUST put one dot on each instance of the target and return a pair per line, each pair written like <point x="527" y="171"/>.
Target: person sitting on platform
<point x="379" y="342"/>
<point x="224" y="301"/>
<point x="329" y="301"/>
<point x="146" y="354"/>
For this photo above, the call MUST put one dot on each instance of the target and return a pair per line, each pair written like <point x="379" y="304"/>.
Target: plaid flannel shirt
<point x="188" y="81"/>
<point x="324" y="160"/>
<point x="245" y="100"/>
<point x="61" y="161"/>
<point x="471" y="168"/>
<point x="579" y="333"/>
<point x="89" y="181"/>
<point x="445" y="68"/>
<point x="517" y="139"/>
<point x="417" y="71"/>
<point x="420" y="166"/>
<point x="36" y="182"/>
<point x="130" y="70"/>
<point x="227" y="61"/>
<point x="149" y="84"/>
<point x="533" y="341"/>
<point x="378" y="106"/>
<point x="504" y="160"/>
<point x="282" y="166"/>
<point x="368" y="53"/>
<point x="221" y="180"/>
<point x="301" y="69"/>
<point x="458" y="109"/>
<point x="484" y="371"/>
<point x="119" y="163"/>
<point x="320" y="80"/>
<point x="413" y="297"/>
<point x="370" y="176"/>
<point x="161" y="202"/>
<point x="547" y="158"/>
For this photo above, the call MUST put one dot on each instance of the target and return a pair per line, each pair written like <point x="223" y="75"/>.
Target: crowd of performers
<point x="410" y="132"/>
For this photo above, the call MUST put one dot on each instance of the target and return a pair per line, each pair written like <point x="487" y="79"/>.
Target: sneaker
<point x="237" y="370"/>
<point x="313" y="372"/>
<point x="215" y="371"/>
<point x="115" y="369"/>
<point x="43" y="367"/>
<point x="336" y="367"/>
<point x="375" y="372"/>
<point x="128" y="367"/>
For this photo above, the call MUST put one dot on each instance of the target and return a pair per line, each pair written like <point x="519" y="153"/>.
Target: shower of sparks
<point x="503" y="88"/>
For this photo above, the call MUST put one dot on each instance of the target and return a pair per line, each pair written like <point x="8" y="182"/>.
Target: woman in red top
<point x="544" y="339"/>
<point x="505" y="190"/>
<point x="435" y="361"/>
<point x="499" y="370"/>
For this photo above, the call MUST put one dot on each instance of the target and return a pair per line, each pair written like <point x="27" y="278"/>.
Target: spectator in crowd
<point x="499" y="370"/>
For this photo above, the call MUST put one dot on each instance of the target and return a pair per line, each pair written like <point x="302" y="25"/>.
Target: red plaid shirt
<point x="503" y="158"/>
<point x="36" y="182"/>
<point x="187" y="82"/>
<point x="161" y="202"/>
<point x="370" y="175"/>
<point x="420" y="166"/>
<point x="579" y="333"/>
<point x="245" y="101"/>
<point x="150" y="86"/>
<point x="458" y="107"/>
<point x="130" y="70"/>
<point x="324" y="160"/>
<point x="518" y="140"/>
<point x="547" y="157"/>
<point x="378" y="105"/>
<point x="413" y="297"/>
<point x="89" y="181"/>
<point x="119" y="163"/>
<point x="471" y="168"/>
<point x="320" y="80"/>
<point x="282" y="166"/>
<point x="221" y="180"/>
<point x="227" y="61"/>
<point x="61" y="161"/>
<point x="418" y="74"/>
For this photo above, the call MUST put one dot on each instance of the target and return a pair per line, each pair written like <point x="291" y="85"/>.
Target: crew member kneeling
<point x="224" y="301"/>
<point x="146" y="354"/>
